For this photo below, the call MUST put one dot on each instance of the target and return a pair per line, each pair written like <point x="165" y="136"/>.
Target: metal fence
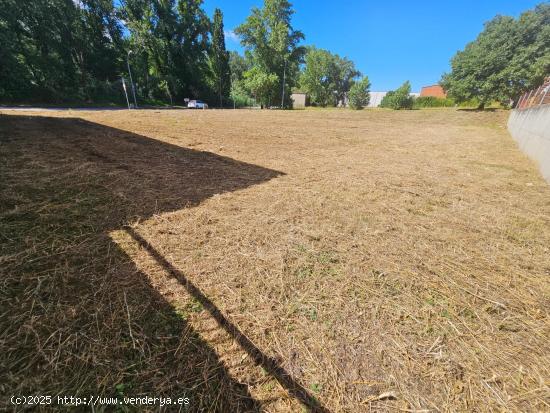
<point x="535" y="97"/>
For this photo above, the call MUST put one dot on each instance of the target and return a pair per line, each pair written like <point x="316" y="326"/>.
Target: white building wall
<point x="298" y="100"/>
<point x="375" y="99"/>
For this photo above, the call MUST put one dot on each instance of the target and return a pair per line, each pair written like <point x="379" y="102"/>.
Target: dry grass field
<point x="325" y="260"/>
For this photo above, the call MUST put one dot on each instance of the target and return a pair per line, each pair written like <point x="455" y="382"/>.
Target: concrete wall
<point x="531" y="130"/>
<point x="375" y="99"/>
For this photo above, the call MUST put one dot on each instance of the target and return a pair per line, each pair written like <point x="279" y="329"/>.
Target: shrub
<point x="240" y="101"/>
<point x="432" y="102"/>
<point x="359" y="95"/>
<point x="387" y="100"/>
<point x="399" y="99"/>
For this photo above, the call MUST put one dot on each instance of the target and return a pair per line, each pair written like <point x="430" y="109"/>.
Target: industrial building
<point x="435" y="91"/>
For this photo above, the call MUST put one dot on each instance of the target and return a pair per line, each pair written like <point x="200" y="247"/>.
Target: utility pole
<point x="131" y="80"/>
<point x="220" y="87"/>
<point x="231" y="89"/>
<point x="284" y="81"/>
<point x="125" y="93"/>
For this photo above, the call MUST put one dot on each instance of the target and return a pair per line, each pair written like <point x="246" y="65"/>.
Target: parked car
<point x="197" y="104"/>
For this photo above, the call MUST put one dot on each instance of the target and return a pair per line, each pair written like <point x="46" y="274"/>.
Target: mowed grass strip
<point x="387" y="260"/>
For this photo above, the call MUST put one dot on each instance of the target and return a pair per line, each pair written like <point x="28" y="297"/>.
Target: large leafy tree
<point x="327" y="78"/>
<point x="316" y="78"/>
<point x="169" y="41"/>
<point x="99" y="48"/>
<point x="100" y="40"/>
<point x="261" y="84"/>
<point x="44" y="35"/>
<point x="509" y="57"/>
<point x="16" y="49"/>
<point x="192" y="64"/>
<point x="344" y="77"/>
<point x="238" y="66"/>
<point x="273" y="48"/>
<point x="147" y="51"/>
<point x="55" y="50"/>
<point x="219" y="59"/>
<point x="531" y="60"/>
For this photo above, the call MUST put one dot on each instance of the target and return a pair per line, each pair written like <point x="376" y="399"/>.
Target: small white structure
<point x="298" y="100"/>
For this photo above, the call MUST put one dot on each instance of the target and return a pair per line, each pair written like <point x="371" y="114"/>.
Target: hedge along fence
<point x="432" y="102"/>
<point x="535" y="97"/>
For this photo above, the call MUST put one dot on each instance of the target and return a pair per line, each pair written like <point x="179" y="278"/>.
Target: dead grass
<point x="386" y="261"/>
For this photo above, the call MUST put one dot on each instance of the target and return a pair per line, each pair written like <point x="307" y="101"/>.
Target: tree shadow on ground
<point x="78" y="317"/>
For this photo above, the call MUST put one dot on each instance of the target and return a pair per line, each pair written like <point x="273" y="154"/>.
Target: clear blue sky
<point x="389" y="40"/>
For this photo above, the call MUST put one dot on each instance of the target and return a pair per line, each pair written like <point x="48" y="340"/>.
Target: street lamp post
<point x="131" y="80"/>
<point x="284" y="81"/>
<point x="125" y="93"/>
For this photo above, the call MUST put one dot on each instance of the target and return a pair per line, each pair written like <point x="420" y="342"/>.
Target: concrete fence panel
<point x="531" y="130"/>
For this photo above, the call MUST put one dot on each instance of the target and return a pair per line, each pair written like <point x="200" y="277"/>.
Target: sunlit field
<point x="275" y="260"/>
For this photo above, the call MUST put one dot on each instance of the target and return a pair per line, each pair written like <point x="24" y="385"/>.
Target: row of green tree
<point x="509" y="57"/>
<point x="69" y="50"/>
<point x="81" y="50"/>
